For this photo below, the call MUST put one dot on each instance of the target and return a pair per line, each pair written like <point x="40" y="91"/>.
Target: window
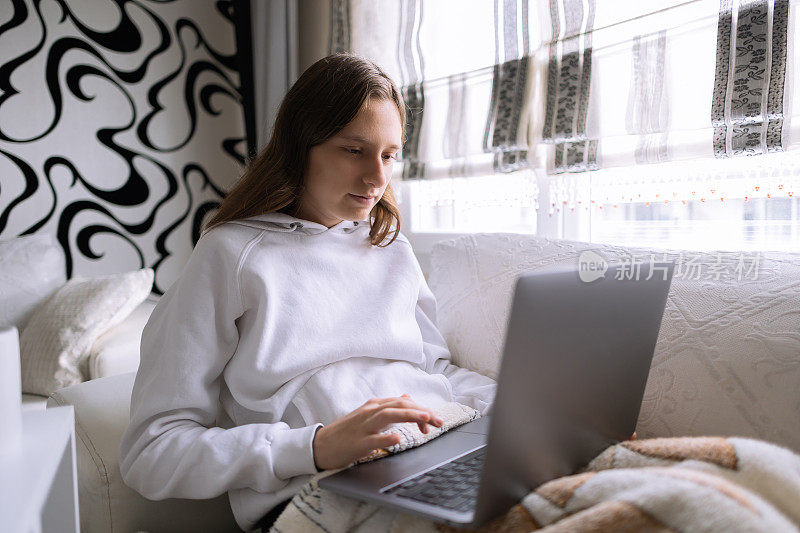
<point x="478" y="204"/>
<point x="749" y="203"/>
<point x="607" y="121"/>
<point x="745" y="203"/>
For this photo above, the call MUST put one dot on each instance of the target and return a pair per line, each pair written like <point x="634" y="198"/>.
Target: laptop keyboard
<point x="453" y="485"/>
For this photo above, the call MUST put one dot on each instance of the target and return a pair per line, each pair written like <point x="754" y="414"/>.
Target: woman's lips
<point x="363" y="200"/>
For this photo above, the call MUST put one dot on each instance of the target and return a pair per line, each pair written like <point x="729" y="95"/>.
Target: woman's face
<point x="348" y="173"/>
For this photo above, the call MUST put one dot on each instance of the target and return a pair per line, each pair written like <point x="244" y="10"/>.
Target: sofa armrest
<point x="102" y="412"/>
<point x="117" y="350"/>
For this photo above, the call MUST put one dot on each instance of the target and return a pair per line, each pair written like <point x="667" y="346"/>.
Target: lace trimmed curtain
<point x="575" y="86"/>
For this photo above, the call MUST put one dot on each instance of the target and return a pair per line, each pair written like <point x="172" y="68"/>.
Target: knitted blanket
<point x="687" y="484"/>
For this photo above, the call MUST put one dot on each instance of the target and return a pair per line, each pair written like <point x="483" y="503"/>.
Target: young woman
<point x="302" y="324"/>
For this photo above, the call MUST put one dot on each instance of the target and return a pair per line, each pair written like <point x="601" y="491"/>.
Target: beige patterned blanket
<point x="708" y="484"/>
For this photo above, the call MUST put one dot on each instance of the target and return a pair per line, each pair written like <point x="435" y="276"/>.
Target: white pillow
<point x="54" y="347"/>
<point x="117" y="350"/>
<point x="31" y="269"/>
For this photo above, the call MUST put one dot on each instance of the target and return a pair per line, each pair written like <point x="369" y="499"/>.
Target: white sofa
<point x="102" y="408"/>
<point x="727" y="361"/>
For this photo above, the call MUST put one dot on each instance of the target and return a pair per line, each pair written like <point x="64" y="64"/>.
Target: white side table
<point x="39" y="485"/>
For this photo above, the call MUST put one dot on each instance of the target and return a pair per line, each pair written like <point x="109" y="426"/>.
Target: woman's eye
<point x="389" y="156"/>
<point x="354" y="151"/>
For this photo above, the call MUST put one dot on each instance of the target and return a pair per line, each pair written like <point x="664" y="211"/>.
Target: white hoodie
<point x="276" y="326"/>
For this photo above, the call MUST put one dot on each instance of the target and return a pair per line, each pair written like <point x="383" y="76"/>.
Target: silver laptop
<point x="575" y="364"/>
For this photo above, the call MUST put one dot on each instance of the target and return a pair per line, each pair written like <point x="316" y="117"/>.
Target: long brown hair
<point x="326" y="97"/>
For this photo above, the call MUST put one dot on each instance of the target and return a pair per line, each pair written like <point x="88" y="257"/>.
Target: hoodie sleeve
<point x="171" y="448"/>
<point x="469" y="388"/>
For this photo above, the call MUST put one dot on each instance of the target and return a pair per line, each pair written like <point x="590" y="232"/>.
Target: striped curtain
<point x="566" y="86"/>
<point x="748" y="104"/>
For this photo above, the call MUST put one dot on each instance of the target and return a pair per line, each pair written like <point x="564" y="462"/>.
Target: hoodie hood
<point x="281" y="222"/>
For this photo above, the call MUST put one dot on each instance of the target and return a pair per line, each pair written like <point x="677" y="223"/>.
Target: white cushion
<point x="54" y="346"/>
<point x="117" y="350"/>
<point x="31" y="269"/>
<point x="727" y="360"/>
<point x="102" y="412"/>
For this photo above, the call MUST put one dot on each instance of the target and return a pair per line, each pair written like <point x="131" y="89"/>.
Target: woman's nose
<point x="376" y="172"/>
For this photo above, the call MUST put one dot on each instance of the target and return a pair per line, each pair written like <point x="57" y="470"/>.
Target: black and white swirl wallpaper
<point x="121" y="126"/>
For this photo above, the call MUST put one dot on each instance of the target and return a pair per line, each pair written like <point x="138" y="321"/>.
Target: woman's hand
<point x="356" y="434"/>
